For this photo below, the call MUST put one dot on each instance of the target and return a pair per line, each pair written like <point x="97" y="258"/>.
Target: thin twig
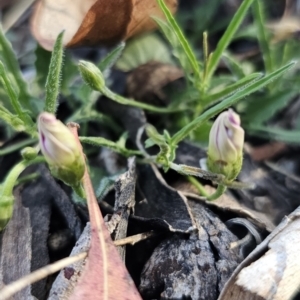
<point x="134" y="238"/>
<point x="9" y="290"/>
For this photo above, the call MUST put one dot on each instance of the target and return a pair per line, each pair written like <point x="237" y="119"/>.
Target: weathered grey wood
<point x="272" y="270"/>
<point x="15" y="253"/>
<point x="66" y="280"/>
<point x="124" y="203"/>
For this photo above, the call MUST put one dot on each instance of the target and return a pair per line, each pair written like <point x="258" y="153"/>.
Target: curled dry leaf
<point x="272" y="270"/>
<point x="93" y="22"/>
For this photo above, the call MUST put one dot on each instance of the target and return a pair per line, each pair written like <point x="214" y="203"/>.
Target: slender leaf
<point x="177" y="49"/>
<point x="228" y="35"/>
<point x="251" y="88"/>
<point x="278" y="134"/>
<point x="268" y="106"/>
<point x="184" y="43"/>
<point x="262" y="35"/>
<point x="233" y="65"/>
<point x="13" y="96"/>
<point x="239" y="85"/>
<point x="53" y="78"/>
<point x="111" y="58"/>
<point x="8" y="56"/>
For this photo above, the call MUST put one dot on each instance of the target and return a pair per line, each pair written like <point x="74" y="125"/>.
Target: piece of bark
<point x="16" y="252"/>
<point x="273" y="195"/>
<point x="66" y="280"/>
<point x="124" y="204"/>
<point x="62" y="202"/>
<point x="160" y="201"/>
<point x="272" y="270"/>
<point x="228" y="204"/>
<point x="194" y="267"/>
<point x="37" y="198"/>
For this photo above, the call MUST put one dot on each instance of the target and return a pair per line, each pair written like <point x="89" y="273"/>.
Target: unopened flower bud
<point x="61" y="150"/>
<point x="225" y="150"/>
<point x="91" y="75"/>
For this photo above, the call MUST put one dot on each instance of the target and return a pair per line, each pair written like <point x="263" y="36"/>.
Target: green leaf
<point x="177" y="49"/>
<point x="278" y="134"/>
<point x="139" y="51"/>
<point x="237" y="68"/>
<point x="262" y="108"/>
<point x="239" y="85"/>
<point x="262" y="35"/>
<point x="21" y="115"/>
<point x="228" y="35"/>
<point x="231" y="100"/>
<point x="54" y="74"/>
<point x="111" y="58"/>
<point x="17" y="146"/>
<point x="13" y="70"/>
<point x="181" y="38"/>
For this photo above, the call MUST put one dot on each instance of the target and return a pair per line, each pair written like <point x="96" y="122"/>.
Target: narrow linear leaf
<point x="102" y="142"/>
<point x="14" y="99"/>
<point x="262" y="35"/>
<point x="177" y="49"/>
<point x="251" y="88"/>
<point x="10" y="90"/>
<point x="184" y="43"/>
<point x="228" y="35"/>
<point x="233" y="65"/>
<point x="54" y="74"/>
<point x="111" y="57"/>
<point x="278" y="134"/>
<point x="8" y="56"/>
<point x="269" y="105"/>
<point x="237" y="86"/>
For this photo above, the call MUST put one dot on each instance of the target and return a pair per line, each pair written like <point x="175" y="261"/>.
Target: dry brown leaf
<point x="105" y="276"/>
<point x="93" y="22"/>
<point x="272" y="270"/>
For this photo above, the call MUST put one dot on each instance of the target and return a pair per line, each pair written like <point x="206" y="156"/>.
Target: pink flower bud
<point x="226" y="140"/>
<point x="60" y="148"/>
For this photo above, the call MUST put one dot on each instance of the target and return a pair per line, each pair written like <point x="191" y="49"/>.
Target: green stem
<point x="198" y="186"/>
<point x="218" y="193"/>
<point x="122" y="100"/>
<point x="10" y="180"/>
<point x="27" y="178"/>
<point x="102" y="142"/>
<point x="6" y="194"/>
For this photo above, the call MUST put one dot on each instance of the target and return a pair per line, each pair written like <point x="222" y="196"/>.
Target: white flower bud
<point x="60" y="148"/>
<point x="226" y="140"/>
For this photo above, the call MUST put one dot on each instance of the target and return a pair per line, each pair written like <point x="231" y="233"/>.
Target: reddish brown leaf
<point x="105" y="276"/>
<point x="93" y="22"/>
